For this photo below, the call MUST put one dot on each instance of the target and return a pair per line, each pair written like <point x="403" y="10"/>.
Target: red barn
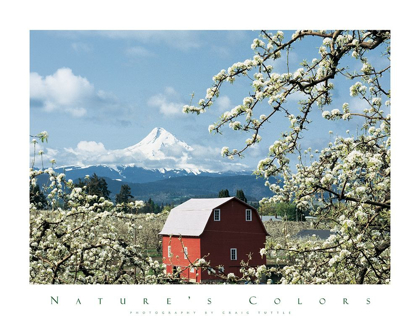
<point x="224" y="231"/>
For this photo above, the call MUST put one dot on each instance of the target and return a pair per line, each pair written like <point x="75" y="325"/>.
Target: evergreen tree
<point x="224" y="193"/>
<point x="124" y="196"/>
<point x="151" y="207"/>
<point x="95" y="186"/>
<point x="240" y="195"/>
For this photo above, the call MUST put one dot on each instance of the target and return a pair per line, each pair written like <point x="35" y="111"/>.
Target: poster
<point x="294" y="304"/>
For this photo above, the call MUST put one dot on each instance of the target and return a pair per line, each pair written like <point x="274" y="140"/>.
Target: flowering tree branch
<point x="343" y="197"/>
<point x="347" y="183"/>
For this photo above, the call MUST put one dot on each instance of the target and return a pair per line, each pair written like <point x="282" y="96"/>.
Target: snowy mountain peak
<point x="157" y="134"/>
<point x="160" y="144"/>
<point x="157" y="139"/>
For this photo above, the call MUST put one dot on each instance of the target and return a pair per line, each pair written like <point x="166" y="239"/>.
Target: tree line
<point x="95" y="185"/>
<point x="239" y="194"/>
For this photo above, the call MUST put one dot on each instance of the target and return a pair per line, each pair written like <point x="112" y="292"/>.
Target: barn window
<point x="233" y="254"/>
<point x="185" y="252"/>
<point x="217" y="214"/>
<point x="248" y="215"/>
<point x="169" y="251"/>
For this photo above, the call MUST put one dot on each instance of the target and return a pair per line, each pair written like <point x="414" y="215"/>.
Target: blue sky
<point x="106" y="90"/>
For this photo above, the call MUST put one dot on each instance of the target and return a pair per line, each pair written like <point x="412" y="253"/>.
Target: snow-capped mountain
<point x="157" y="145"/>
<point x="160" y="155"/>
<point x="163" y="167"/>
<point x="158" y="149"/>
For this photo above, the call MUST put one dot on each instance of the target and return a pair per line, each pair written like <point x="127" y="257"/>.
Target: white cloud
<point x="357" y="105"/>
<point x="81" y="47"/>
<point x="223" y="104"/>
<point x="76" y="112"/>
<point x="296" y="97"/>
<point x="256" y="151"/>
<point x="67" y="93"/>
<point x="104" y="96"/>
<point x="287" y="61"/>
<point x="138" y="51"/>
<point x="170" y="91"/>
<point x="85" y="153"/>
<point x="61" y="91"/>
<point x="168" y="102"/>
<point x="91" y="146"/>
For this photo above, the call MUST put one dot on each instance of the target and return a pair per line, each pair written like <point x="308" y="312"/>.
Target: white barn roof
<point x="190" y="218"/>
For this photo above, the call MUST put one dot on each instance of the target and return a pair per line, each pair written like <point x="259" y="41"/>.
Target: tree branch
<point x="347" y="198"/>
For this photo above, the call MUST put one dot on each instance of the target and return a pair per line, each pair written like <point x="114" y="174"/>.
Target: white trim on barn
<point x="248" y="215"/>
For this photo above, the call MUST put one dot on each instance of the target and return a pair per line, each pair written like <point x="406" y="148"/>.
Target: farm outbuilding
<point x="223" y="231"/>
<point x="266" y="218"/>
<point x="321" y="234"/>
